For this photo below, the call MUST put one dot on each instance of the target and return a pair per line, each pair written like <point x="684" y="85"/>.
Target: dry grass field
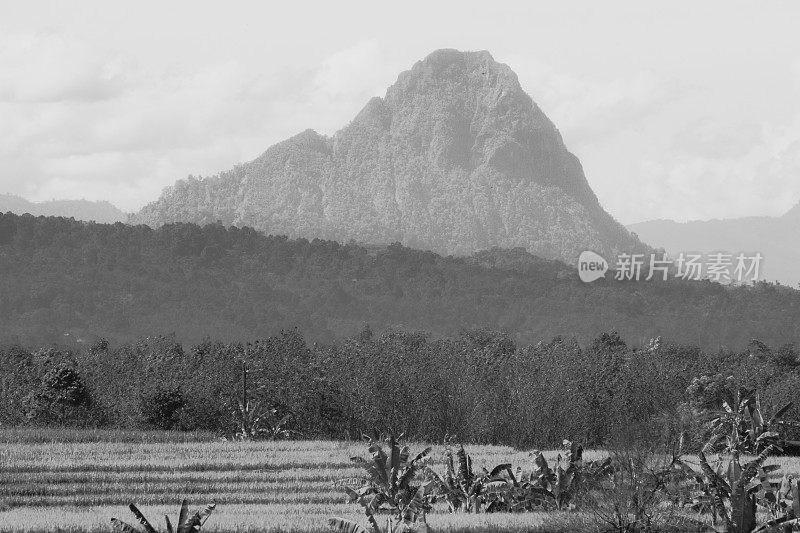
<point x="76" y="481"/>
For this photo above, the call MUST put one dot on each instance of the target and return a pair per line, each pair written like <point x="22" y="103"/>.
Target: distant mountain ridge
<point x="455" y="158"/>
<point x="775" y="238"/>
<point x="102" y="212"/>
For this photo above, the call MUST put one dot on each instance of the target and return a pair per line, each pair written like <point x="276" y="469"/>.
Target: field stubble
<point x="73" y="484"/>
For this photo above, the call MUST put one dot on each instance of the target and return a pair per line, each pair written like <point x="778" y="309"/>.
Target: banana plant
<point x="460" y="486"/>
<point x="732" y="491"/>
<point x="343" y="525"/>
<point x="258" y="423"/>
<point x="562" y="484"/>
<point x="740" y="427"/>
<point x="185" y="523"/>
<point x="469" y="491"/>
<point x="783" y="502"/>
<point x="388" y="485"/>
<point x="504" y="489"/>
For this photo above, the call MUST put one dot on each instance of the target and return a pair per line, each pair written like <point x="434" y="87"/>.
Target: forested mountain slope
<point x="65" y="281"/>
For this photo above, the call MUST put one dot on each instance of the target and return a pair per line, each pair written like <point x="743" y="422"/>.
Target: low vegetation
<point x="297" y="486"/>
<point x="631" y="490"/>
<point x="187" y="523"/>
<point x="478" y="385"/>
<point x="258" y="486"/>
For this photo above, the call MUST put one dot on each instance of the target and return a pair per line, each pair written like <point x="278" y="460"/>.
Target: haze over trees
<point x="774" y="237"/>
<point x="102" y="212"/>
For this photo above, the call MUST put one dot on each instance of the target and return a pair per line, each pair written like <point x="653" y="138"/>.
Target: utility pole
<point x="246" y="429"/>
<point x="244" y="383"/>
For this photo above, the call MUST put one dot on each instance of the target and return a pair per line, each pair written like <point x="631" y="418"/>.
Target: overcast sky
<point x="683" y="110"/>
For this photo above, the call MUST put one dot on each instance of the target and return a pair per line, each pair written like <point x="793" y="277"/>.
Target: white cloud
<point x="718" y="174"/>
<point x="654" y="146"/>
<point x="344" y="83"/>
<point x="50" y="67"/>
<point x="120" y="105"/>
<point x="164" y="124"/>
<point x="71" y="128"/>
<point x="586" y="109"/>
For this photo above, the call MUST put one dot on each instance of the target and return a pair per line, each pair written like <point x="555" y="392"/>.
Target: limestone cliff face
<point x="455" y="158"/>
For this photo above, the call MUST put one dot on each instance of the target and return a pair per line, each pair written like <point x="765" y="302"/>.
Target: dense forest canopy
<point x="72" y="282"/>
<point x="479" y="385"/>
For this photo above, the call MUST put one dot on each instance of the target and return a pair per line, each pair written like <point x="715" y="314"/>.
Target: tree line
<point x="478" y="386"/>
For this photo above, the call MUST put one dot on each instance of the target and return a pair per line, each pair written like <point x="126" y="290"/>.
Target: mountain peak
<point x="472" y="113"/>
<point x="442" y="59"/>
<point x="455" y="158"/>
<point x="477" y="69"/>
<point x="447" y="61"/>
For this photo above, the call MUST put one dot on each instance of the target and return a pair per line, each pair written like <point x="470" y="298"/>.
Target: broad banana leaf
<point x="719" y="488"/>
<point x="183" y="515"/>
<point x="411" y="469"/>
<point x="123" y="527"/>
<point x="496" y="471"/>
<point x="766" y="486"/>
<point x="779" y="413"/>
<point x="197" y="520"/>
<point x="404" y="453"/>
<point x="713" y="479"/>
<point x="756" y="419"/>
<point x="342" y="525"/>
<point x="142" y="519"/>
<point x="734" y="471"/>
<point x="379" y="459"/>
<point x="464" y="469"/>
<point x="751" y="468"/>
<point x="416" y="507"/>
<point x="394" y="463"/>
<point x="784" y="523"/>
<point x="743" y="510"/>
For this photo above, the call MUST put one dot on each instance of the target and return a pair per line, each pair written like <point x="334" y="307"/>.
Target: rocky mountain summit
<point x="455" y="158"/>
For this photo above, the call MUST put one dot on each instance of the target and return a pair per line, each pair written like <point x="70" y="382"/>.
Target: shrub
<point x="163" y="409"/>
<point x="61" y="397"/>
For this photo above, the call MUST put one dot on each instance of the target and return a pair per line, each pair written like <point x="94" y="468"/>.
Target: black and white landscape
<point x="487" y="267"/>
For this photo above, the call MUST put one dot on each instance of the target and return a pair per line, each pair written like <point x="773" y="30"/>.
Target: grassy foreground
<point x="51" y="481"/>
